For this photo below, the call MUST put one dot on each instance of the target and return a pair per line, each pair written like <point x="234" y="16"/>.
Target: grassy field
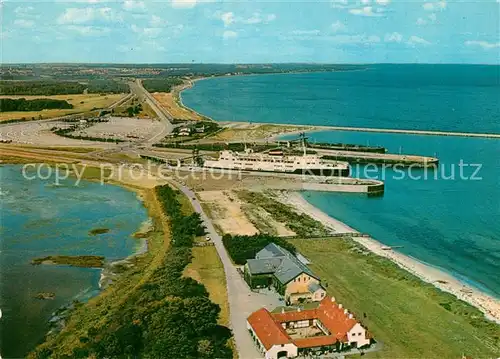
<point x="81" y="103"/>
<point x="10" y="154"/>
<point x="411" y="318"/>
<point x="206" y="268"/>
<point x="62" y="149"/>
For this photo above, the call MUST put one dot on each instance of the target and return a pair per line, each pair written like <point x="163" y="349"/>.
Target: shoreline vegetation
<point x="152" y="286"/>
<point x="74" y="261"/>
<point x="487" y="304"/>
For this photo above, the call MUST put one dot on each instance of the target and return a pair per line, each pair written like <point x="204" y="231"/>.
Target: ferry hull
<point x="327" y="172"/>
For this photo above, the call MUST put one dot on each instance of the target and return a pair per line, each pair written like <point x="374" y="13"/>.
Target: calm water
<point x="451" y="224"/>
<point x="433" y="97"/>
<point x="40" y="219"/>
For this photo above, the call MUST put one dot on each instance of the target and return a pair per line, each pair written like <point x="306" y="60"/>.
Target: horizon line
<point x="247" y="63"/>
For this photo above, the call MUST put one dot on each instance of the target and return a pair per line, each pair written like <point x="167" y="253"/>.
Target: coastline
<point x="487" y="304"/>
<point x="178" y="96"/>
<point x="110" y="272"/>
<point x="320" y="128"/>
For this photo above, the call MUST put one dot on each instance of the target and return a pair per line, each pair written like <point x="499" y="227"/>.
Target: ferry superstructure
<point x="277" y="161"/>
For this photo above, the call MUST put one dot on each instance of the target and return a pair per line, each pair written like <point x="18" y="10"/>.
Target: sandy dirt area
<point x="234" y="216"/>
<point x="81" y="103"/>
<point x="265" y="222"/>
<point x="226" y="212"/>
<point x="488" y="305"/>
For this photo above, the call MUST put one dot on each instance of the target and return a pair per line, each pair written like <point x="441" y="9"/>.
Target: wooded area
<point x="21" y="104"/>
<point x="48" y="88"/>
<point x="241" y="248"/>
<point x="161" y="85"/>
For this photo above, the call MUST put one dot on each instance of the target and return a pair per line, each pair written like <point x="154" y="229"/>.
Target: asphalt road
<point x="165" y="117"/>
<point x="242" y="301"/>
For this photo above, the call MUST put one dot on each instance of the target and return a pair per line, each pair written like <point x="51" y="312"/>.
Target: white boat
<point x="277" y="161"/>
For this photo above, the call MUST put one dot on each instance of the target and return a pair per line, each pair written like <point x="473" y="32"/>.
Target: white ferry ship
<point x="277" y="161"/>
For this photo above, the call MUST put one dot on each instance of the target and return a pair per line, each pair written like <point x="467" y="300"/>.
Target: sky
<point x="218" y="31"/>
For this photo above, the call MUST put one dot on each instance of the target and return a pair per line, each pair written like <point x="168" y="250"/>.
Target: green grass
<point x="206" y="268"/>
<point x="301" y="224"/>
<point x="63" y="149"/>
<point x="96" y="231"/>
<point x="186" y="207"/>
<point x="412" y="319"/>
<point x="74" y="261"/>
<point x="94" y="173"/>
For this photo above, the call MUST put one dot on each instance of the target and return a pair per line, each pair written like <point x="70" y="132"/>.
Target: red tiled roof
<point x="334" y="318"/>
<point x="268" y="327"/>
<point x="313" y="342"/>
<point x="269" y="331"/>
<point x="294" y="316"/>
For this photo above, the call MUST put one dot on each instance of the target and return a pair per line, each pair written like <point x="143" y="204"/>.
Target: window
<point x="353" y="334"/>
<point x="359" y="333"/>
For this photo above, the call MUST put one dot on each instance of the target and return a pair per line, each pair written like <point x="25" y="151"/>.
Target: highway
<point x="164" y="116"/>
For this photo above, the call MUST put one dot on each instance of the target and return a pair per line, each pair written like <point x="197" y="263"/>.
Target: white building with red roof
<point x="328" y="327"/>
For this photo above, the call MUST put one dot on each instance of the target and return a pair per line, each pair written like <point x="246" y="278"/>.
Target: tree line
<point x="161" y="85"/>
<point x="169" y="315"/>
<point x="49" y="88"/>
<point x="241" y="248"/>
<point x="39" y="104"/>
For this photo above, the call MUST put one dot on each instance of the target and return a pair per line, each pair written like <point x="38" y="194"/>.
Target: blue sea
<point x="40" y="219"/>
<point x="432" y="97"/>
<point x="446" y="219"/>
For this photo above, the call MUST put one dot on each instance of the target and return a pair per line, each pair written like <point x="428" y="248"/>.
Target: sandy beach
<point x="489" y="305"/>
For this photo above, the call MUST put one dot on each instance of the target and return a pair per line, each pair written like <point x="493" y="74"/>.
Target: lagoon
<point x="38" y="219"/>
